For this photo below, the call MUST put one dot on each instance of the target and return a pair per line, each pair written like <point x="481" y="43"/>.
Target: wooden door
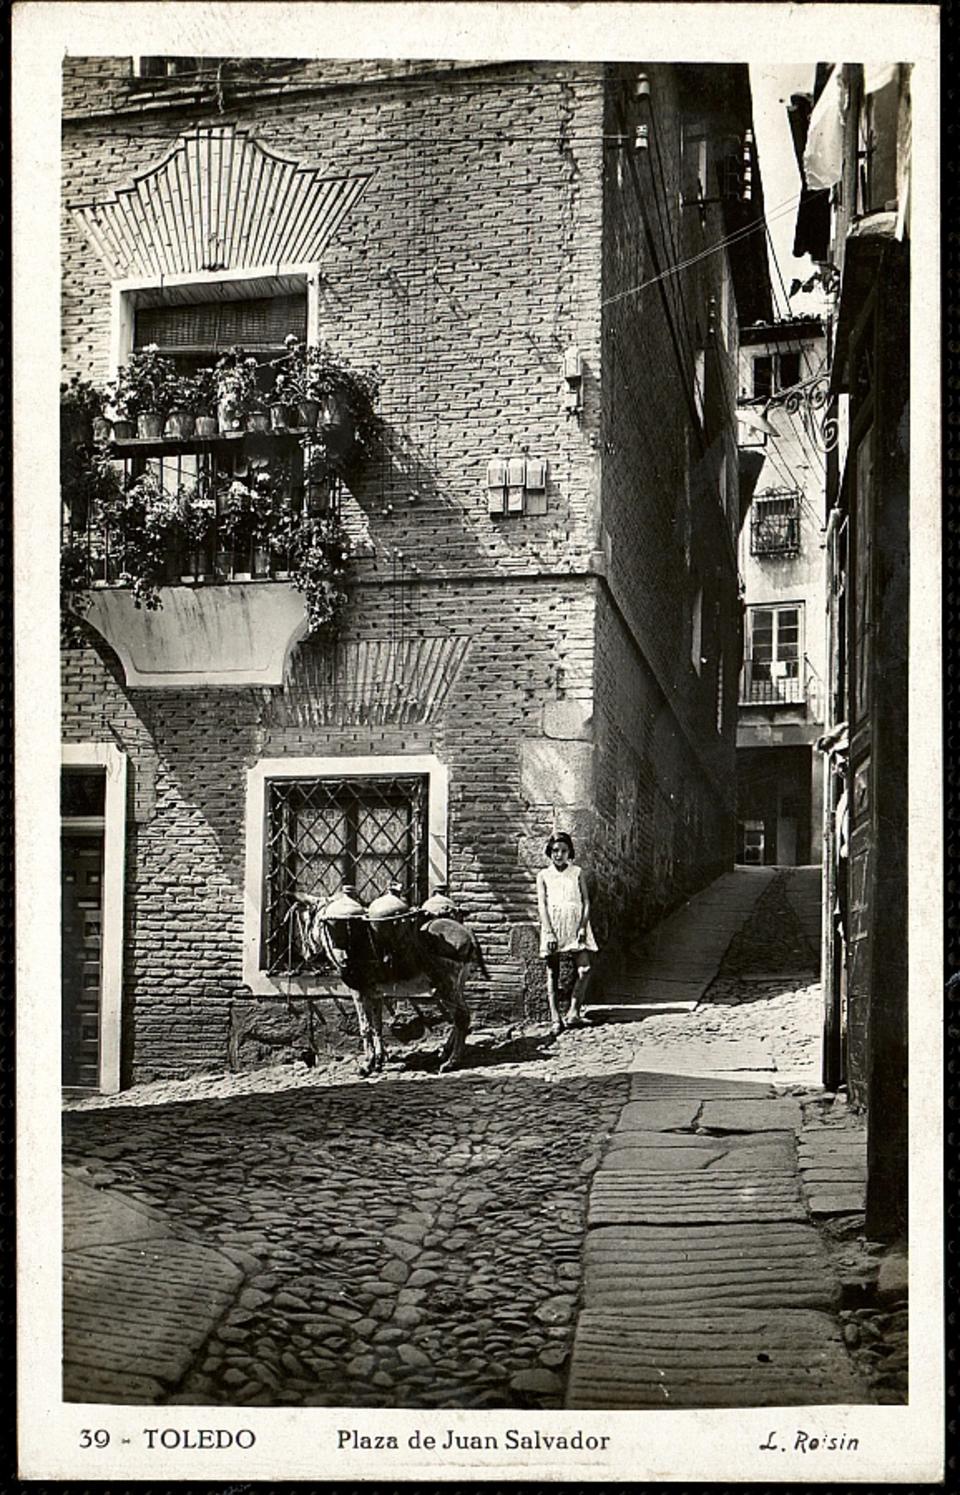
<point x="82" y="908"/>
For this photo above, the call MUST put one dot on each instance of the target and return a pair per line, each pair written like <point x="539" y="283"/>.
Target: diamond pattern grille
<point x="325" y="832"/>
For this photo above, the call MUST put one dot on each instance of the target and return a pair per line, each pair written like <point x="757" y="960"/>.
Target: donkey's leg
<point x="458" y="1013"/>
<point x="376" y="1024"/>
<point x="361" y="1006"/>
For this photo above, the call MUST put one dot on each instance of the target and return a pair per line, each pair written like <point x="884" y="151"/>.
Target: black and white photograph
<point x="482" y="743"/>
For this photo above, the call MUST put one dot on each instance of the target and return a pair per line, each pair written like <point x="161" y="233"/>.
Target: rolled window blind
<point x="212" y="326"/>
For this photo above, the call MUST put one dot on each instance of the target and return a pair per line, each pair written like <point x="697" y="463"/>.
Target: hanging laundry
<point x="823" y="156"/>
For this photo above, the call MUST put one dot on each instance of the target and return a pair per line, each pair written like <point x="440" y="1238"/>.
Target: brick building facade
<point x="570" y="660"/>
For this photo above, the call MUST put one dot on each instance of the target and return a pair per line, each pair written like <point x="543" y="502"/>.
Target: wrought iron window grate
<point x="324" y="832"/>
<point x="775" y="524"/>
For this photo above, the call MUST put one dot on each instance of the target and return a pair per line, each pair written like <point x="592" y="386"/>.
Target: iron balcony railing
<point x="765" y="682"/>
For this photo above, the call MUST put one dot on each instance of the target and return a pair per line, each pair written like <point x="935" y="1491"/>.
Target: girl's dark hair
<point x="555" y="840"/>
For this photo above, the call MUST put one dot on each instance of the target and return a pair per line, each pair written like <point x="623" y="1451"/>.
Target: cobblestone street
<point x="419" y="1241"/>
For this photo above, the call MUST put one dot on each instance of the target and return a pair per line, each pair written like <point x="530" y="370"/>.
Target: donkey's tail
<point x="479" y="961"/>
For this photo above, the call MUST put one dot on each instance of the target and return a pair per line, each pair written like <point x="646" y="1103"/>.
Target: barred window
<point x="775" y="523"/>
<point x="322" y="832"/>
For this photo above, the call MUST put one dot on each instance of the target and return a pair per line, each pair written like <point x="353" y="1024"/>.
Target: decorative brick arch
<point x="219" y="200"/>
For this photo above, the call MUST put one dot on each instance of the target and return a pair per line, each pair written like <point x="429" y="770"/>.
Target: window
<point x="323" y="832"/>
<point x="776" y="371"/>
<point x="175" y="67"/>
<point x="315" y="823"/>
<point x="763" y="376"/>
<point x="775" y="523"/>
<point x="771" y="669"/>
<point x="788" y="370"/>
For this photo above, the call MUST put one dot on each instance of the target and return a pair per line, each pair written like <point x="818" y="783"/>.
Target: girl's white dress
<point x="560" y="891"/>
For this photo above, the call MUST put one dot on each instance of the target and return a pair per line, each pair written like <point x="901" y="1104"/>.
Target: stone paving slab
<point x="92" y="1215"/>
<point x="706" y="1056"/>
<point x="135" y="1314"/>
<point x="653" y="1083"/>
<point x="660" y="1159"/>
<point x="671" y="1114"/>
<point x="732" y="1196"/>
<point x="642" y="1268"/>
<point x="778" y="1115"/>
<point x="779" y="1357"/>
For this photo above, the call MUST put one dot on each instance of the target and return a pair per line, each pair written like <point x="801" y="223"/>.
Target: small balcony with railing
<point x="200" y="560"/>
<point x="792" y="685"/>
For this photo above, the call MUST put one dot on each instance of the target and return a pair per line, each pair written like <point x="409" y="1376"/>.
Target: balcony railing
<point x="765" y="682"/>
<point x="206" y="467"/>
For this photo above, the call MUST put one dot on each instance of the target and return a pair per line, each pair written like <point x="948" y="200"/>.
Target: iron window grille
<point x="323" y="832"/>
<point x="775" y="524"/>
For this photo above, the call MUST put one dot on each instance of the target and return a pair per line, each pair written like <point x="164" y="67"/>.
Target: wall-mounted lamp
<point x="573" y="379"/>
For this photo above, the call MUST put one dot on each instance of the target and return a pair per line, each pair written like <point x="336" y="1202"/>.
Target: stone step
<point x="140" y="1311"/>
<point x="782" y="1114"/>
<point x="779" y="1357"/>
<point x="654" y="1084"/>
<point x="672" y="1114"/>
<point x="642" y="1268"/>
<point x="732" y="1196"/>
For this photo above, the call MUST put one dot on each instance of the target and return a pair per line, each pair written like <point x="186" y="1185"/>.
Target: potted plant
<point x="81" y="413"/>
<point x="329" y="393"/>
<point x="296" y="386"/>
<point x="199" y="525"/>
<point x="205" y="400"/>
<point x="237" y="392"/>
<point x="181" y="400"/>
<point x="235" y="525"/>
<point x="318" y="552"/>
<point x="141" y="392"/>
<point x="135" y="538"/>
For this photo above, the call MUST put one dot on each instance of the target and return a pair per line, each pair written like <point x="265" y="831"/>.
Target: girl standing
<point x="564" y="905"/>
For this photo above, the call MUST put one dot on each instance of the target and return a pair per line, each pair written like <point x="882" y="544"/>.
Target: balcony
<point x="765" y="682"/>
<point x="181" y="545"/>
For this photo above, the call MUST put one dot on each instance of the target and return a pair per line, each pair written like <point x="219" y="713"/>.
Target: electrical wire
<point x="775" y="213"/>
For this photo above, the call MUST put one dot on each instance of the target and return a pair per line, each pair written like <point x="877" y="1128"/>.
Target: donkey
<point x="383" y="959"/>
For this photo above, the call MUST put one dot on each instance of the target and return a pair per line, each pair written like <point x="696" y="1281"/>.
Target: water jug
<point x="440" y="905"/>
<point x="344" y="905"/>
<point x="389" y="905"/>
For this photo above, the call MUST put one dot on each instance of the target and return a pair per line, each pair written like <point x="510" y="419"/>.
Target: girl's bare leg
<point x="580" y="989"/>
<point x="553" y="983"/>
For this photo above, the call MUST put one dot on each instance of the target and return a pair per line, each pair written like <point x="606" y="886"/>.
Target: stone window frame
<point x="208" y="285"/>
<point x="340" y="766"/>
<point x="113" y="761"/>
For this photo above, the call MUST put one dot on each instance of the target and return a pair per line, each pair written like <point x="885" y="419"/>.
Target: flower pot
<point x="180" y="424"/>
<point x="149" y="426"/>
<point x="228" y="416"/>
<point x="261" y="560"/>
<point x="307" y="412"/>
<point x="198" y="563"/>
<point x="279" y="417"/>
<point x="223" y="564"/>
<point x="258" y="420"/>
<point x="102" y="428"/>
<point x="124" y="430"/>
<point x="334" y="415"/>
<point x="207" y="425"/>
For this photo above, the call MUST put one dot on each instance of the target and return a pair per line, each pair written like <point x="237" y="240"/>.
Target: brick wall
<point x="477" y="254"/>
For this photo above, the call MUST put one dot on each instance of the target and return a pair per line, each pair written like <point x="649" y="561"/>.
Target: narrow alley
<point x="664" y="1209"/>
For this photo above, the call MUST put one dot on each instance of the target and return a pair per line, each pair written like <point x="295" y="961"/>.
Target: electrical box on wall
<point x="517" y="485"/>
